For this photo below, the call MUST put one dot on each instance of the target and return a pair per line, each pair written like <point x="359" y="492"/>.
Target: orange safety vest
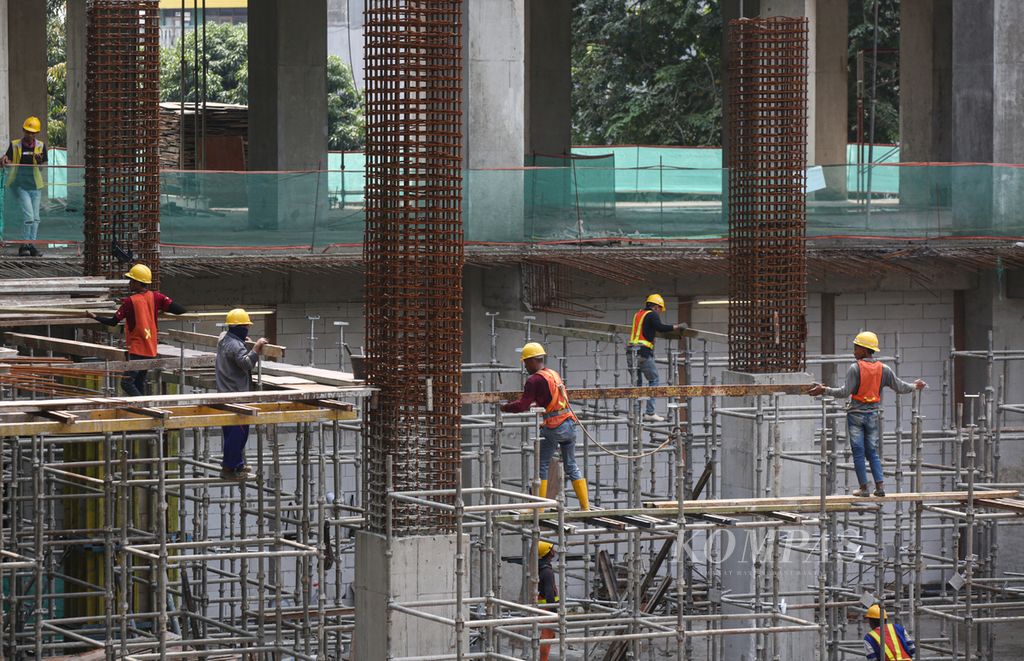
<point x="636" y="335"/>
<point x="557" y="410"/>
<point x="870" y="390"/>
<point x="142" y="337"/>
<point x="894" y="650"/>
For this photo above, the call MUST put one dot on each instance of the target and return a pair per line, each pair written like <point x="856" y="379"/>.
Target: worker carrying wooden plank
<point x="640" y="350"/>
<point x="235" y="363"/>
<point x="139" y="312"/>
<point x="544" y="388"/>
<point x="864" y="382"/>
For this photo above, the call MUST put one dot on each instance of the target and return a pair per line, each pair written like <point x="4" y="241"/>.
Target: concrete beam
<point x="548" y="77"/>
<point x="75" y="27"/>
<point x="26" y="53"/>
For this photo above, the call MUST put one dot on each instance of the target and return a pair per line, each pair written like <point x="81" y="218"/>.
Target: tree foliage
<point x="646" y="72"/>
<point x="56" y="75"/>
<point x="344" y="108"/>
<point x="862" y="35"/>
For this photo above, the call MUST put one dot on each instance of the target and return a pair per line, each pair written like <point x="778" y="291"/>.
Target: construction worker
<point x="235" y="363"/>
<point x="544" y="388"/>
<point x="864" y="382"/>
<point x="25" y="179"/>
<point x="646" y="325"/>
<point x="899" y="646"/>
<point x="139" y="312"/>
<point x="547" y="592"/>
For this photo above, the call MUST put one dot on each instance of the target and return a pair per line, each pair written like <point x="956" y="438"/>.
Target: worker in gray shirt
<point x="235" y="362"/>
<point x="864" y="382"/>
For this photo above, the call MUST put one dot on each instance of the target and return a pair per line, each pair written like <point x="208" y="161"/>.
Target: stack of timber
<point x="28" y="301"/>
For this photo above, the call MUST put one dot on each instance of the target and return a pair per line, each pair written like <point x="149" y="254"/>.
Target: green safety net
<point x="598" y="193"/>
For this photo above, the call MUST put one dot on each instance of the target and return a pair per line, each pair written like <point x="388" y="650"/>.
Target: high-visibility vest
<point x="870" y="390"/>
<point x="36" y="172"/>
<point x="142" y="337"/>
<point x="636" y="334"/>
<point x="557" y="411"/>
<point x="894" y="649"/>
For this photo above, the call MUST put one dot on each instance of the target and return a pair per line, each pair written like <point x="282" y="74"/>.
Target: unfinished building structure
<point x="394" y="516"/>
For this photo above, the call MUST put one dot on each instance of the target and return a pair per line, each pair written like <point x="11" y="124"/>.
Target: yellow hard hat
<point x="32" y="125"/>
<point x="874" y="613"/>
<point x="140" y="273"/>
<point x="238" y="317"/>
<point x="657" y="300"/>
<point x="543" y="548"/>
<point x="532" y="350"/>
<point x="866" y="339"/>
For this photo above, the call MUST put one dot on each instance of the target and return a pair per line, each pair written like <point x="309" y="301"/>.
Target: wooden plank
<point x="606" y="570"/>
<point x="560" y="331"/>
<point x="240" y="409"/>
<point x="159" y="414"/>
<point x="66" y="347"/>
<point x="169" y="364"/>
<point x="60" y="416"/>
<point x="742" y="390"/>
<point x="624" y="329"/>
<point x="316" y="374"/>
<point x="205" y="340"/>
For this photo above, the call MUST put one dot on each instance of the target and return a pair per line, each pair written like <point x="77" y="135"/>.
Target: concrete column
<point x="828" y="114"/>
<point x="287" y="109"/>
<point x="743" y="479"/>
<point x="26" y="59"/>
<point x="409" y="569"/>
<point x="548" y="77"/>
<point x="926" y="99"/>
<point x="75" y="26"/>
<point x="494" y="111"/>
<point x="988" y="118"/>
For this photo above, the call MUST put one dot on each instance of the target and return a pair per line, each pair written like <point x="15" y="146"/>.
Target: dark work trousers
<point x="133" y="383"/>
<point x="235" y="437"/>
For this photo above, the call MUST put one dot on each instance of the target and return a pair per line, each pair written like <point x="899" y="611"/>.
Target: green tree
<point x="344" y="108"/>
<point x="647" y="72"/>
<point x="887" y="95"/>
<point x="56" y="75"/>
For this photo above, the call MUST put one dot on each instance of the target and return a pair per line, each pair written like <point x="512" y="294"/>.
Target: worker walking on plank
<point x="646" y="325"/>
<point x="25" y="180"/>
<point x="899" y="646"/>
<point x="544" y="388"/>
<point x="547" y="593"/>
<point x="235" y="363"/>
<point x="139" y="312"/>
<point x="864" y="382"/>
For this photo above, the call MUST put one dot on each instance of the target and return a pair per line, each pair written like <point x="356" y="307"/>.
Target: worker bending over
<point x="235" y="362"/>
<point x="547" y="593"/>
<point x="864" y="382"/>
<point x="545" y="389"/>
<point x="646" y="325"/>
<point x="899" y="646"/>
<point x="139" y="312"/>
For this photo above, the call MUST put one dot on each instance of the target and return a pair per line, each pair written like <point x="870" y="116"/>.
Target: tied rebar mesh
<point x="414" y="255"/>
<point x="122" y="135"/>
<point x="767" y="208"/>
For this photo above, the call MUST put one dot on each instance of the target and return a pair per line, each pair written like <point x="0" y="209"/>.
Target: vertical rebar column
<point x="413" y="252"/>
<point x="766" y="202"/>
<point x="122" y="134"/>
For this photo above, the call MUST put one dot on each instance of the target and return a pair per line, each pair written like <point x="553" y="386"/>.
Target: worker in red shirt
<point x="544" y="388"/>
<point x="547" y="592"/>
<point x="139" y="312"/>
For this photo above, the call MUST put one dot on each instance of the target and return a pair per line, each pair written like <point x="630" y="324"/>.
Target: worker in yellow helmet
<point x="646" y="325"/>
<point x="864" y="382"/>
<point x="234" y="366"/>
<point x="899" y="646"/>
<point x="25" y="179"/>
<point x="544" y="388"/>
<point x="139" y="312"/>
<point x="547" y="592"/>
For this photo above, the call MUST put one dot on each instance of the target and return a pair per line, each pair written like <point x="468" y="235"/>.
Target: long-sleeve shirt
<point x="852" y="385"/>
<point x="871" y="648"/>
<point x="535" y="391"/>
<point x="234" y="364"/>
<point x="126" y="312"/>
<point x="651" y="326"/>
<point x="547" y="593"/>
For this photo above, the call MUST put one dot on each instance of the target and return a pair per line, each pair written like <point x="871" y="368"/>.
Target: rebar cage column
<point x="122" y="134"/>
<point x="413" y="253"/>
<point x="766" y="202"/>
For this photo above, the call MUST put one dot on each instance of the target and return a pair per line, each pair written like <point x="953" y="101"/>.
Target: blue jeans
<point x="28" y="202"/>
<point x="235" y="438"/>
<point x="862" y="429"/>
<point x="562" y="437"/>
<point x="133" y="382"/>
<point x="647" y="369"/>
